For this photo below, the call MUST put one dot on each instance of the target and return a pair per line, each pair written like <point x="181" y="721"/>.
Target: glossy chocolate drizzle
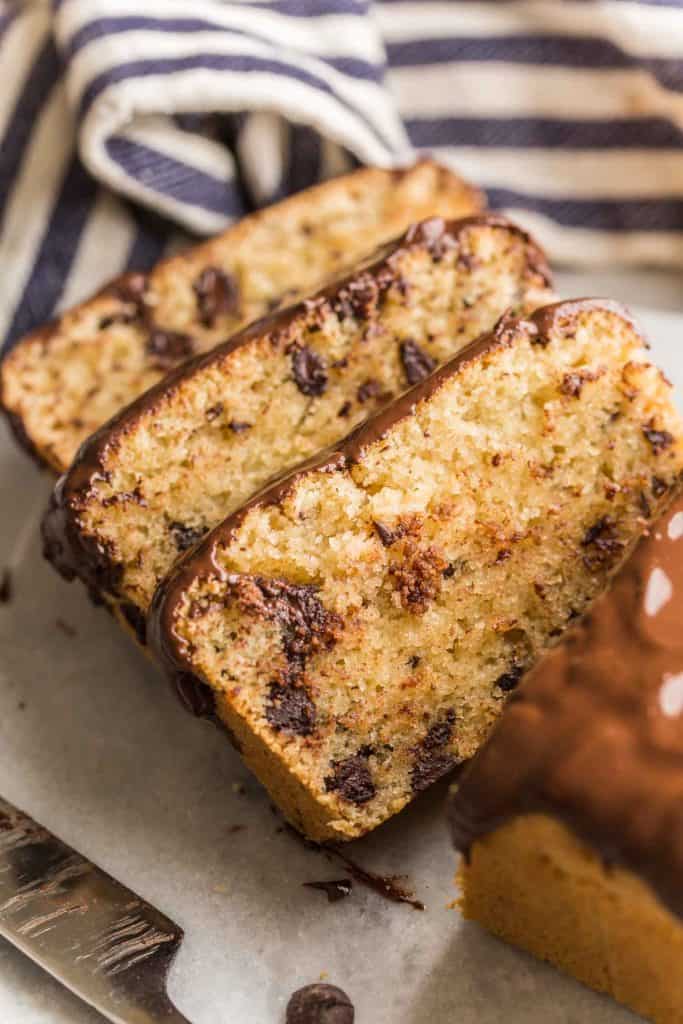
<point x="594" y="735"/>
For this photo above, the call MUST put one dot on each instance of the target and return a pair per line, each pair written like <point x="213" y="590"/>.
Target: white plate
<point x="93" y="746"/>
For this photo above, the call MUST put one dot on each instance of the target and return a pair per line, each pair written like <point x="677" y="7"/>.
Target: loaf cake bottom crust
<point x="535" y="885"/>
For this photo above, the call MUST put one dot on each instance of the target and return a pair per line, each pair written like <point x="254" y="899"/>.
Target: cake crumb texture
<point x="361" y="622"/>
<point x="172" y="465"/>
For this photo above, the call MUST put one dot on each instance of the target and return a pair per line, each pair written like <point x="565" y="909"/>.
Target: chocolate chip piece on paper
<point x="320" y="1004"/>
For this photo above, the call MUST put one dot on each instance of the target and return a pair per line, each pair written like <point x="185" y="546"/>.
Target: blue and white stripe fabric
<point x="127" y="125"/>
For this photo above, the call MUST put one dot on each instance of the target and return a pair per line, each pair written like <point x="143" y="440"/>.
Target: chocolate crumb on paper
<point x="6" y="586"/>
<point x="394" y="888"/>
<point x="335" y="889"/>
<point x="391" y="887"/>
<point x="65" y="628"/>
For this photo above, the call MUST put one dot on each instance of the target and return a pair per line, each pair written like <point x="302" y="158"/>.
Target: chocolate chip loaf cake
<point x="62" y="382"/>
<point x="177" y="461"/>
<point x="359" y="623"/>
<point x="571" y="816"/>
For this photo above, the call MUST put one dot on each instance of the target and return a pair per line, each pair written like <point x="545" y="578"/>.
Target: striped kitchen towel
<point x="126" y="125"/>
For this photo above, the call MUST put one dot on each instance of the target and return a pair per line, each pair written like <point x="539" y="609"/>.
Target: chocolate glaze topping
<point x="203" y="562"/>
<point x="74" y="556"/>
<point x="594" y="734"/>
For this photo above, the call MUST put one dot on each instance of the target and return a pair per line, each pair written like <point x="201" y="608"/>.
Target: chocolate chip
<point x="508" y="680"/>
<point x="121" y="317"/>
<point x="290" y="708"/>
<point x="136" y="619"/>
<point x="305" y="623"/>
<point x="496" y="459"/>
<point x="134" y="497"/>
<point x="186" y="536"/>
<point x="217" y="292"/>
<point x="659" y="439"/>
<point x="368" y="389"/>
<point x="414" y="660"/>
<point x="214" y="411"/>
<point x="352" y="779"/>
<point x="168" y="347"/>
<point x="659" y="486"/>
<point x="603" y="540"/>
<point x="417" y="364"/>
<point x="386" y="535"/>
<point x="239" y="426"/>
<point x="344" y="410"/>
<point x="503" y="555"/>
<point x="320" y="1004"/>
<point x="336" y="889"/>
<point x="431" y="760"/>
<point x="309" y="372"/>
<point x="644" y="505"/>
<point x="441" y="732"/>
<point x="195" y="696"/>
<point x="359" y="297"/>
<point x="6" y="588"/>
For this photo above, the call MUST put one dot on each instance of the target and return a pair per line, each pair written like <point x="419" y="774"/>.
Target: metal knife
<point x="96" y="937"/>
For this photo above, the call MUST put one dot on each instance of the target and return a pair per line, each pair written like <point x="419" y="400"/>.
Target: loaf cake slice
<point x="62" y="382"/>
<point x="360" y="622"/>
<point x="198" y="445"/>
<point x="571" y="816"/>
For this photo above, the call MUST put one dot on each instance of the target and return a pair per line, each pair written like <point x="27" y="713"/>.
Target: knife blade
<point x="98" y="938"/>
